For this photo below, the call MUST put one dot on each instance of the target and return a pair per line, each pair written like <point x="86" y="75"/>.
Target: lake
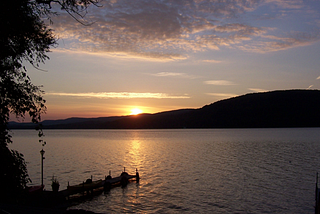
<point x="183" y="170"/>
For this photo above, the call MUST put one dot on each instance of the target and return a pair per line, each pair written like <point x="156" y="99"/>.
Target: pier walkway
<point x="89" y="186"/>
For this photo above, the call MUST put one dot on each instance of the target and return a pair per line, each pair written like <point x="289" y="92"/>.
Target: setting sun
<point x="135" y="111"/>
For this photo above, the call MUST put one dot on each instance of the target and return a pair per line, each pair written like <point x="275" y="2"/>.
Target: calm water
<point x="191" y="171"/>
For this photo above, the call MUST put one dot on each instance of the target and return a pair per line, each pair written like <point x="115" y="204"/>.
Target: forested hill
<point x="290" y="108"/>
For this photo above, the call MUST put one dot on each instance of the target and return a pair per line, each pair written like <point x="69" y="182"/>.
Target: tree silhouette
<point x="24" y="38"/>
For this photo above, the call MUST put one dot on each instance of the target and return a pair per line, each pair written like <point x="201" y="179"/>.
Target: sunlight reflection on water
<point x="195" y="171"/>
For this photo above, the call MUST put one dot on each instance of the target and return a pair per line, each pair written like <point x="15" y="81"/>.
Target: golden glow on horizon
<point x="135" y="111"/>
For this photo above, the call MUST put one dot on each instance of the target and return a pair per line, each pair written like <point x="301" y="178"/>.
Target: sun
<point x="135" y="111"/>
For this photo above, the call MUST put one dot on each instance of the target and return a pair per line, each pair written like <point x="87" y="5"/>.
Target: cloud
<point x="288" y="4"/>
<point x="224" y="95"/>
<point x="219" y="82"/>
<point x="212" y="61"/>
<point x="174" y="74"/>
<point x="318" y="78"/>
<point x="274" y="43"/>
<point x="310" y="86"/>
<point x="169" y="30"/>
<point x="257" y="90"/>
<point x="120" y="95"/>
<point x="168" y="74"/>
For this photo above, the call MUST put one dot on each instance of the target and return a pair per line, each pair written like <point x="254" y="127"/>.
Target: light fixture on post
<point x="42" y="158"/>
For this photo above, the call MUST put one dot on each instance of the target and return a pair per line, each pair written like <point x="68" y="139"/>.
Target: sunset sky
<point x="160" y="55"/>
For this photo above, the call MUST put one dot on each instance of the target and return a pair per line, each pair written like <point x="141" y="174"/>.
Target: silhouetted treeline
<point x="290" y="108"/>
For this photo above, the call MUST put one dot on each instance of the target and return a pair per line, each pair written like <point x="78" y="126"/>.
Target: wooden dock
<point x="81" y="191"/>
<point x="90" y="186"/>
<point x="39" y="198"/>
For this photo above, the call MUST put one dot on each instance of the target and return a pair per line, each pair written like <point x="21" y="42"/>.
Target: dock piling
<point x="137" y="176"/>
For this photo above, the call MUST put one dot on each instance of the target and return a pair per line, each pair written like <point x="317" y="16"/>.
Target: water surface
<point x="187" y="170"/>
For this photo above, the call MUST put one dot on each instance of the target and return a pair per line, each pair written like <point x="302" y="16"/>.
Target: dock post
<point x="124" y="181"/>
<point x="137" y="176"/>
<point x="83" y="190"/>
<point x="107" y="186"/>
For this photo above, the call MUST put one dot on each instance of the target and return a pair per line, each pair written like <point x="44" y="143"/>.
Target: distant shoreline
<point x="276" y="109"/>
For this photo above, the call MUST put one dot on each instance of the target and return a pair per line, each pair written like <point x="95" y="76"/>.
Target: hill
<point x="290" y="108"/>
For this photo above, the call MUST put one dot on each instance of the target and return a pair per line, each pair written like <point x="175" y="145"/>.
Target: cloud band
<point x="120" y="95"/>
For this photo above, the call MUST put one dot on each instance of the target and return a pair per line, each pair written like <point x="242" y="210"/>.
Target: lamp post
<point x="42" y="158"/>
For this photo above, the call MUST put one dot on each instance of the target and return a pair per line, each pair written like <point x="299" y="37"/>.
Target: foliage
<point x="75" y="8"/>
<point x="14" y="176"/>
<point x="24" y="38"/>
